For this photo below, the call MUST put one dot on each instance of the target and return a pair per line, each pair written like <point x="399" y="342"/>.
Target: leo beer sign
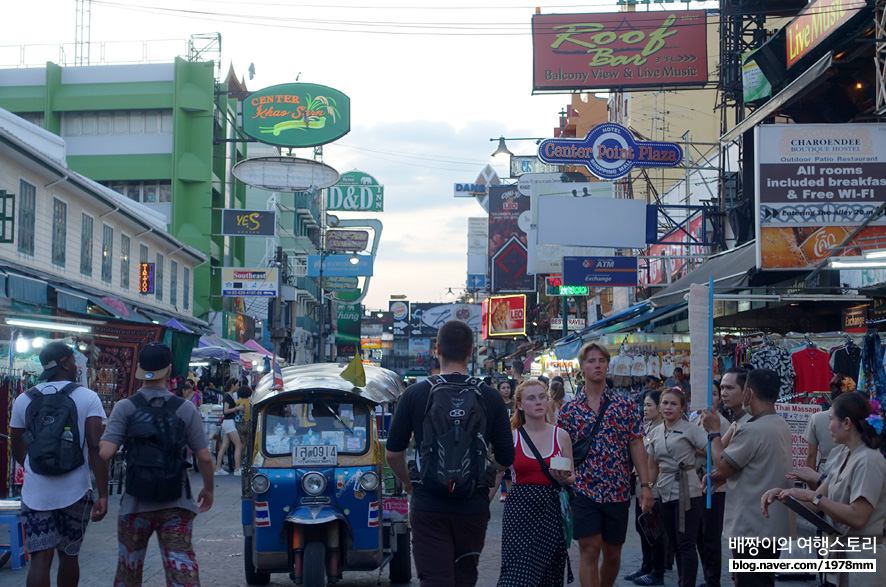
<point x="504" y="315"/>
<point x="356" y="192"/>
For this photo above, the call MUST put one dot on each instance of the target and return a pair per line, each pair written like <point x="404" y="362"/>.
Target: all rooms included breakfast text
<point x="814" y="184"/>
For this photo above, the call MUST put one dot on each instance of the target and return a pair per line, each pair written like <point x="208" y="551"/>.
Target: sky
<point x="430" y="82"/>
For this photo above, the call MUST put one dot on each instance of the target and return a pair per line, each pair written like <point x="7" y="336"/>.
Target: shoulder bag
<point x="582" y="446"/>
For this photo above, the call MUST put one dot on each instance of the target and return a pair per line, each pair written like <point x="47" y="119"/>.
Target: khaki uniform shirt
<point x="760" y="455"/>
<point x="817" y="433"/>
<point x="674" y="450"/>
<point x="863" y="476"/>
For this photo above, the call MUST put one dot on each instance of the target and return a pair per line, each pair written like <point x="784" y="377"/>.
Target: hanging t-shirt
<point x="811" y="364"/>
<point x="638" y="367"/>
<point x="846" y="360"/>
<point x="653" y="365"/>
<point x="622" y="366"/>
<point x="776" y="358"/>
<point x="667" y="366"/>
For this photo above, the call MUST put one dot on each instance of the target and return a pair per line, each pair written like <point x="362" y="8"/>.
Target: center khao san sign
<point x="610" y="151"/>
<point x="619" y="50"/>
<point x="297" y="115"/>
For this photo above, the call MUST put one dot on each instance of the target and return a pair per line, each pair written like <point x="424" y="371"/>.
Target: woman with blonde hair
<point x="533" y="552"/>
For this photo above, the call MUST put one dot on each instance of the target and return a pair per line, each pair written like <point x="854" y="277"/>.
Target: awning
<point x="634" y="310"/>
<point x="806" y="81"/>
<point x="22" y="288"/>
<point x="70" y="300"/>
<point x="173" y="323"/>
<point x="730" y="270"/>
<point x="658" y="313"/>
<point x="215" y="352"/>
<point x="210" y="340"/>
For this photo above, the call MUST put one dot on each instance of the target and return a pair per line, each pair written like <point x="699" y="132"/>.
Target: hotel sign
<point x="297" y="115"/>
<point x="816" y="23"/>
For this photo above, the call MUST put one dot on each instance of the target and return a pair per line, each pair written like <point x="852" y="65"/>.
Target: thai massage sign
<point x="356" y="191"/>
<point x="610" y="151"/>
<point x="816" y="23"/>
<point x="297" y="115"/>
<point x="619" y="50"/>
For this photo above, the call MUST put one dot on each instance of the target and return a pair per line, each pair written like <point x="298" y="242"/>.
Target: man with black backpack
<point x="52" y="428"/>
<point x="155" y="428"/>
<point x="453" y="418"/>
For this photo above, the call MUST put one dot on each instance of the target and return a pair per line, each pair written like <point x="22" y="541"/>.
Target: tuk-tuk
<point x="318" y="498"/>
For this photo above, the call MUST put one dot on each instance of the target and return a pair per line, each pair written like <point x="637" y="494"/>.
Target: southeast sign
<point x="242" y="282"/>
<point x="356" y="192"/>
<point x="610" y="151"/>
<point x="297" y="115"/>
<point x="600" y="271"/>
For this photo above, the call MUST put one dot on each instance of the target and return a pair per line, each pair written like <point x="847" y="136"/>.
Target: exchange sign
<point x="600" y="271"/>
<point x="297" y="115"/>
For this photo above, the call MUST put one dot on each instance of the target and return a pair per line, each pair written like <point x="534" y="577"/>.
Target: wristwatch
<point x="817" y="499"/>
<point x="713" y="435"/>
<point x="649" y="485"/>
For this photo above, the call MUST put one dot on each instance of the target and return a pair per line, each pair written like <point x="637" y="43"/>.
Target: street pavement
<point x="218" y="541"/>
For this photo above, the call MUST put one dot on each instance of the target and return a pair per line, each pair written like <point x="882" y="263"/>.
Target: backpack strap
<point x="436" y="380"/>
<point x="69" y="388"/>
<point x="33" y="393"/>
<point x="139" y="400"/>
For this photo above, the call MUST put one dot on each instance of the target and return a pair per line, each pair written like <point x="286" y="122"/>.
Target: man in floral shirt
<point x="602" y="479"/>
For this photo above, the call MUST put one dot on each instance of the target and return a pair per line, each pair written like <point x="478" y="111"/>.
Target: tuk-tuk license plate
<point x="314" y="454"/>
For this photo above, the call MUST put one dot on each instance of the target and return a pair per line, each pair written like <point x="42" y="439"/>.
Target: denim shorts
<point x="62" y="529"/>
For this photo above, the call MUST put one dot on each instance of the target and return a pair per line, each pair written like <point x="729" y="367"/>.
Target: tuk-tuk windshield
<point x="324" y="421"/>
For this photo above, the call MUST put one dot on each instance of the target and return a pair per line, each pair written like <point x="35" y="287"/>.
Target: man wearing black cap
<point x="57" y="508"/>
<point x="173" y="520"/>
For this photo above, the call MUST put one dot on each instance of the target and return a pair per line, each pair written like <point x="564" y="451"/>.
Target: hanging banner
<point x="348" y="319"/>
<point x="619" y="50"/>
<point x="297" y="115"/>
<point x="509" y="220"/>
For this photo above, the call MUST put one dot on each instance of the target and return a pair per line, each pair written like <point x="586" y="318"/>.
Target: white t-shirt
<point x="43" y="492"/>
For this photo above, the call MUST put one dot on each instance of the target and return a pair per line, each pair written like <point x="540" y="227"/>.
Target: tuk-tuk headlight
<point x="369" y="481"/>
<point x="314" y="483"/>
<point x="260" y="483"/>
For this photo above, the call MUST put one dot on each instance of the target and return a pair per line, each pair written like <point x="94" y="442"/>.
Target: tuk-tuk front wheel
<point x="253" y="577"/>
<point x="314" y="565"/>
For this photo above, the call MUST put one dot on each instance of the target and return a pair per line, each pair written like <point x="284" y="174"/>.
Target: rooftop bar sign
<point x="619" y="50"/>
<point x="610" y="151"/>
<point x="297" y="115"/>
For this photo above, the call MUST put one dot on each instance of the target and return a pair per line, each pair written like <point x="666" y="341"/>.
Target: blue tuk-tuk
<point x="318" y="499"/>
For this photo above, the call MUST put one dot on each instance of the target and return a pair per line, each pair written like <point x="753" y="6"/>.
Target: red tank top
<point x="526" y="468"/>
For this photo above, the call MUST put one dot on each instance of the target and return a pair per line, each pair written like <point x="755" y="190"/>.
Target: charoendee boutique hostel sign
<point x="297" y="115"/>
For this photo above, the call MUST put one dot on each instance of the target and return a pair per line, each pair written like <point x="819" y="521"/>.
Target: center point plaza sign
<point x="297" y="115"/>
<point x="610" y="151"/>
<point x="619" y="50"/>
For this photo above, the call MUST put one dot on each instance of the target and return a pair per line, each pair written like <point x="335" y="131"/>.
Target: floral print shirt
<point x="604" y="476"/>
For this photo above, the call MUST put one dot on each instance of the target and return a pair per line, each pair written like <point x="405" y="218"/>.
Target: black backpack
<point x="453" y="451"/>
<point x="156" y="457"/>
<point x="47" y="417"/>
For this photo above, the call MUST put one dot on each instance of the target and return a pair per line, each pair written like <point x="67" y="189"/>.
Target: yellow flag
<point x="354" y="372"/>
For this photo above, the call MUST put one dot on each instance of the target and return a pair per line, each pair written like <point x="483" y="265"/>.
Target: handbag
<point x="651" y="524"/>
<point x="582" y="446"/>
<point x="563" y="493"/>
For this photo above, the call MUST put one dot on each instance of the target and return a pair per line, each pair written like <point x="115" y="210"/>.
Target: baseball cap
<point x="154" y="362"/>
<point x="52" y="357"/>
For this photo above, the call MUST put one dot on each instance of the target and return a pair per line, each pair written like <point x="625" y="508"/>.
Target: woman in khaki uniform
<point x="673" y="447"/>
<point x="853" y="495"/>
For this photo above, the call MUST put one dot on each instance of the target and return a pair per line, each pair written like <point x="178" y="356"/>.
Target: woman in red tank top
<point x="533" y="552"/>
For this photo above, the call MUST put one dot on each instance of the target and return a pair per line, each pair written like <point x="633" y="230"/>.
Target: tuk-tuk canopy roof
<point x="382" y="385"/>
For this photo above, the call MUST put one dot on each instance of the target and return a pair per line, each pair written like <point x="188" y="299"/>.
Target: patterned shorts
<point x="62" y="529"/>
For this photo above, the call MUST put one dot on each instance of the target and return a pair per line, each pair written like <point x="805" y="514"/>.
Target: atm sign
<point x="145" y="278"/>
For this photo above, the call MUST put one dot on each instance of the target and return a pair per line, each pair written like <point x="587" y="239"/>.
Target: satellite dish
<point x="285" y="174"/>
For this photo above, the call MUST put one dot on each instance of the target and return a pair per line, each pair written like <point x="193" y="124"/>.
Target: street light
<point x="354" y="259"/>
<point x="503" y="149"/>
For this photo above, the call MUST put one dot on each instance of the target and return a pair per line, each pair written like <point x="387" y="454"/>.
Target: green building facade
<point x="151" y="132"/>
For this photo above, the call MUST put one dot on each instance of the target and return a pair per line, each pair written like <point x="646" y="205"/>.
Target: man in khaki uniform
<point x="756" y="460"/>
